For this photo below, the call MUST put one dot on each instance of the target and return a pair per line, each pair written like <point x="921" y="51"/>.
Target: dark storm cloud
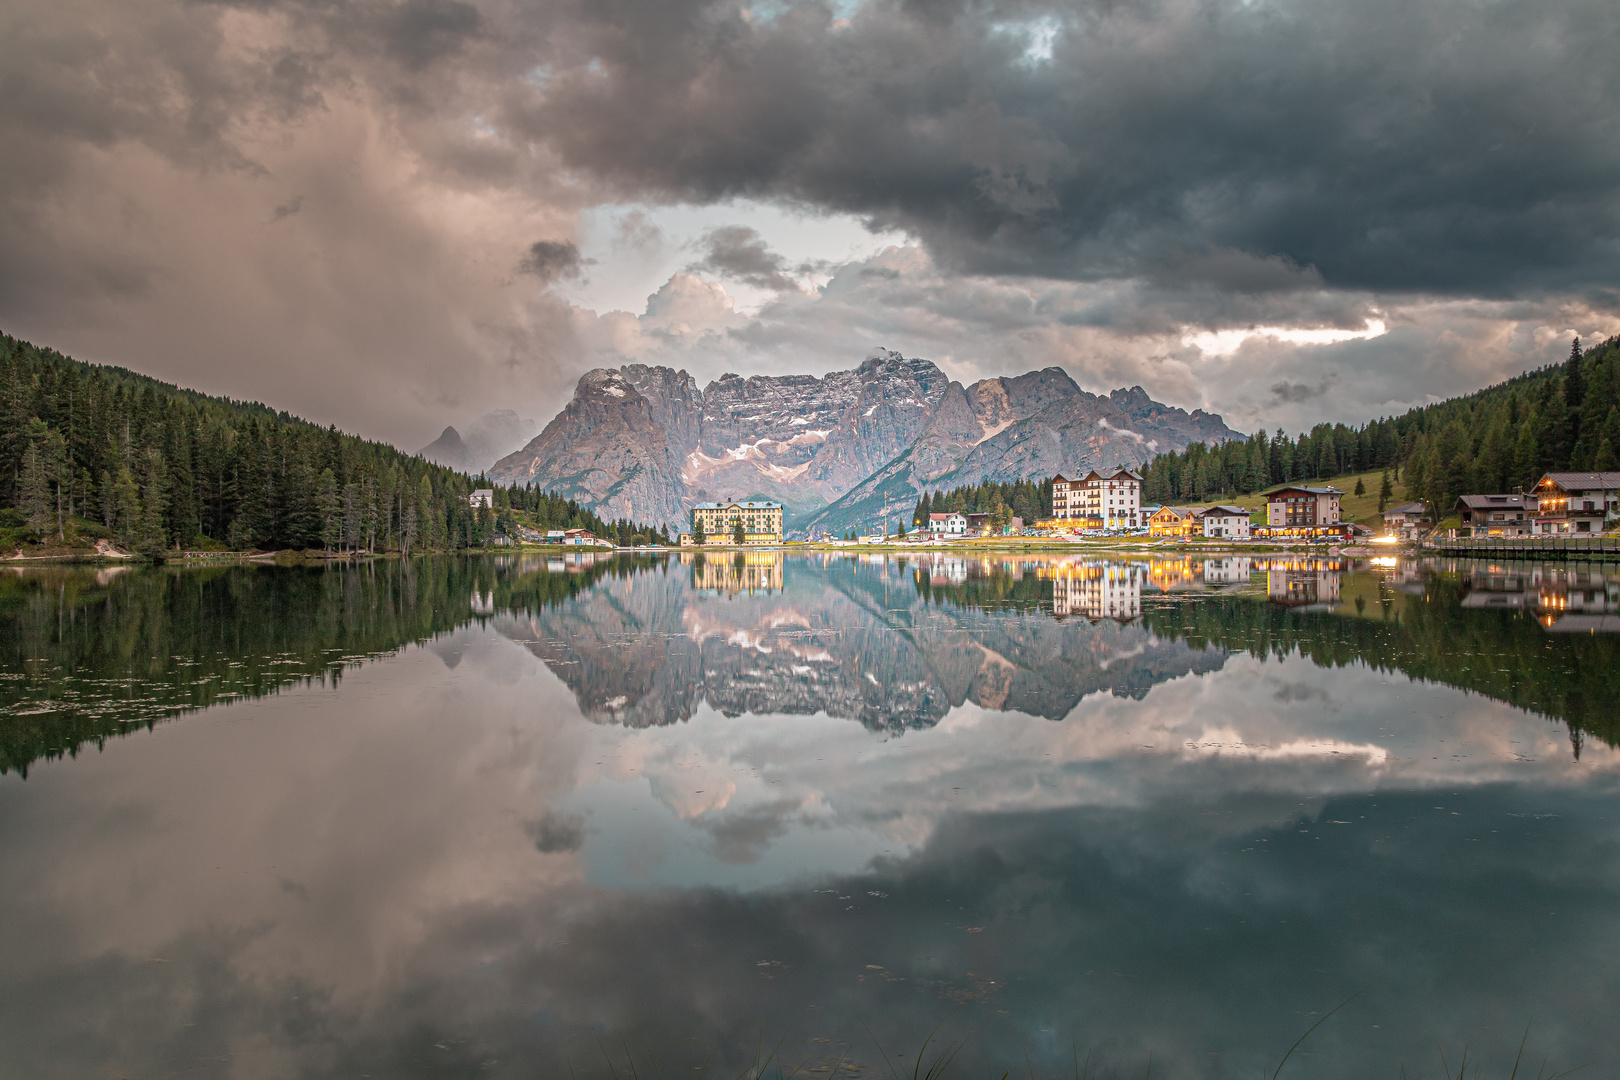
<point x="549" y="260"/>
<point x="1294" y="392"/>
<point x="740" y="253"/>
<point x="421" y="31"/>
<point x="1434" y="146"/>
<point x="287" y="209"/>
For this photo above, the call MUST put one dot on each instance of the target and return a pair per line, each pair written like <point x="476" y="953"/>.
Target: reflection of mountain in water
<point x="867" y="640"/>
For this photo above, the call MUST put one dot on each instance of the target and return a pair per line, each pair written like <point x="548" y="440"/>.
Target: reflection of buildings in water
<point x="1234" y="570"/>
<point x="648" y="648"/>
<point x="744" y="571"/>
<point x="572" y="563"/>
<point x="1173" y="575"/>
<point x="1303" y="583"/>
<point x="1095" y="590"/>
<point x="946" y="570"/>
<point x="1565" y="599"/>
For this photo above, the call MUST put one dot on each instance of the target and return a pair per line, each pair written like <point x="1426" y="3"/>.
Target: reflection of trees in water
<point x="1503" y="654"/>
<point x="89" y="653"/>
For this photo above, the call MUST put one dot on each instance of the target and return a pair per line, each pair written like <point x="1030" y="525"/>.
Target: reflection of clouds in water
<point x="430" y="869"/>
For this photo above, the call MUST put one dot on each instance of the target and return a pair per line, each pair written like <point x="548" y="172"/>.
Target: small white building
<point x="952" y="524"/>
<point x="584" y="538"/>
<point x="1226" y="522"/>
<point x="484" y="497"/>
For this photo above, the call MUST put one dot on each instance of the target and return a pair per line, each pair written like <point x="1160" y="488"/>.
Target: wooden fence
<point x="1531" y="547"/>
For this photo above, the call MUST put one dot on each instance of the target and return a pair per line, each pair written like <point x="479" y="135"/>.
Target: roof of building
<point x="1229" y="511"/>
<point x="944" y="517"/>
<point x="1060" y="479"/>
<point x="741" y="505"/>
<point x="1406" y="508"/>
<point x="1180" y="511"/>
<point x="1109" y="474"/>
<point x="1491" y="502"/>
<point x="1305" y="488"/>
<point x="484" y="491"/>
<point x="1583" y="481"/>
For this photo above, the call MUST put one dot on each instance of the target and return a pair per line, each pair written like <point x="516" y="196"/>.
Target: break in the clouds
<point x="376" y="213"/>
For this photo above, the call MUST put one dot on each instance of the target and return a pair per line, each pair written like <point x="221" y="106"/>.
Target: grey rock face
<point x="645" y="443"/>
<point x="1029" y="427"/>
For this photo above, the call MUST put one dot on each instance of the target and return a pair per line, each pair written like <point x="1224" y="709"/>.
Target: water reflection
<point x="636" y="807"/>
<point x="1573" y="598"/>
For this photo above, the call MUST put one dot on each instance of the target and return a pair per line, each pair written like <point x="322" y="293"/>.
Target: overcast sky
<point x="396" y="215"/>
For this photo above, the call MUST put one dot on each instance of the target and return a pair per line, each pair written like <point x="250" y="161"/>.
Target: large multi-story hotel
<point x="761" y="522"/>
<point x="1095" y="590"/>
<point x="1103" y="499"/>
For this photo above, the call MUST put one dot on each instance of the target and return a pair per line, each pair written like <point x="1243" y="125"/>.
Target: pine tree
<point x="1574" y="381"/>
<point x="126" y="500"/>
<point x="1361" y="486"/>
<point x="1385" y="490"/>
<point x="34" y="495"/>
<point x="329" y="507"/>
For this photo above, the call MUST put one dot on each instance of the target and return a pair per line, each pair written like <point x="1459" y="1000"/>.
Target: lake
<point x="665" y="816"/>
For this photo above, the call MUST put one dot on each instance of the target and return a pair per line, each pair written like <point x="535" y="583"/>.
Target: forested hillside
<point x="89" y="451"/>
<point x="1566" y="416"/>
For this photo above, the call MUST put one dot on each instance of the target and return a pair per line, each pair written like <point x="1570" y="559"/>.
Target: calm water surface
<point x="522" y="817"/>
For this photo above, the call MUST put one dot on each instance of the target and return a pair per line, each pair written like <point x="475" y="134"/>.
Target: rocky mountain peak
<point x="645" y="442"/>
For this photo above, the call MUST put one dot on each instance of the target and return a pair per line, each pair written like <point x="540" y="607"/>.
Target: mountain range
<point x="848" y="450"/>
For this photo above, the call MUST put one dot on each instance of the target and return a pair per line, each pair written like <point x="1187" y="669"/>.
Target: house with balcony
<point x="1484" y="516"/>
<point x="1176" y="521"/>
<point x="1575" y="503"/>
<point x="1304" y="512"/>
<point x="951" y="524"/>
<point x="1407" y="521"/>
<point x="1225" y="522"/>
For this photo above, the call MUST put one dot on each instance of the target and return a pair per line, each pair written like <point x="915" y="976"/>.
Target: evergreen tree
<point x="329" y="507"/>
<point x="1385" y="490"/>
<point x="1574" y="381"/>
<point x="34" y="498"/>
<point x="1361" y="486"/>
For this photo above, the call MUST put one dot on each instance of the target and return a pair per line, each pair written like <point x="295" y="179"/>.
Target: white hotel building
<point x="1105" y="499"/>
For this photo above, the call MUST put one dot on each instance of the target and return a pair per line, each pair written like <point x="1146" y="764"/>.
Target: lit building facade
<point x="761" y="522"/>
<point x="1112" y="498"/>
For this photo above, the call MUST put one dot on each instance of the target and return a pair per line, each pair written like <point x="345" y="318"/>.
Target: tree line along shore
<point x="92" y="453"/>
